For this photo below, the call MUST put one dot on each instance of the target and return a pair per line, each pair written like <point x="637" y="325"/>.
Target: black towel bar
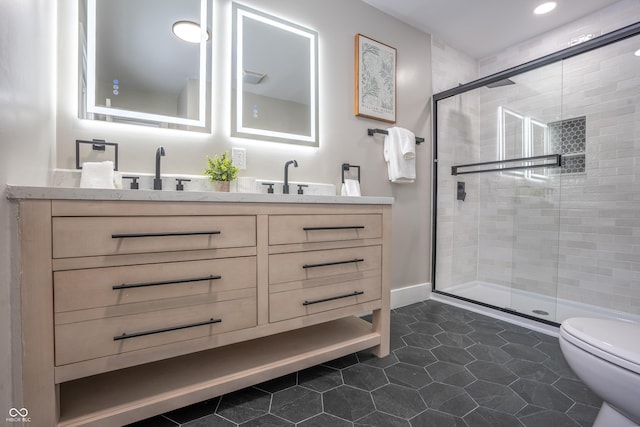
<point x="370" y="132"/>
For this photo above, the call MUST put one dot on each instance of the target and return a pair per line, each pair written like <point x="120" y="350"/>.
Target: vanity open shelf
<point x="133" y="308"/>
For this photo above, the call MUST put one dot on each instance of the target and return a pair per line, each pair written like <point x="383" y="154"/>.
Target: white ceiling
<point x="483" y="27"/>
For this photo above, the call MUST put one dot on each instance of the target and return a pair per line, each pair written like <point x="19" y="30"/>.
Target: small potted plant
<point x="221" y="171"/>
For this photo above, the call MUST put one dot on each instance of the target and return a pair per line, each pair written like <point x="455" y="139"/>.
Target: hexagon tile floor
<point x="448" y="367"/>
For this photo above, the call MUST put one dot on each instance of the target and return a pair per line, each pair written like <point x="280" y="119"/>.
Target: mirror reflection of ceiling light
<point x="187" y="31"/>
<point x="545" y="8"/>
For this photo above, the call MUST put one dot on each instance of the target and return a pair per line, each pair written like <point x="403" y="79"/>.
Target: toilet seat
<point x="613" y="340"/>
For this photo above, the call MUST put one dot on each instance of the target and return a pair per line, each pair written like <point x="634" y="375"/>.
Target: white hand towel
<point x="399" y="153"/>
<point x="351" y="188"/>
<point x="97" y="175"/>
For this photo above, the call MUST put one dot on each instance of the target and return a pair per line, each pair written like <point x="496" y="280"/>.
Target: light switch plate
<point x="239" y="157"/>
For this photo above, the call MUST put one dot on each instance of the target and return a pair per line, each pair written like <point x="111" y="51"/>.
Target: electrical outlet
<point x="239" y="157"/>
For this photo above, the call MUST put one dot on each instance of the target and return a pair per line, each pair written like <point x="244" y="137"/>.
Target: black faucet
<point x="285" y="187"/>
<point x="157" y="182"/>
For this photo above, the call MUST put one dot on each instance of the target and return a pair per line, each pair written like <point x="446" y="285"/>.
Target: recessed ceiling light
<point x="187" y="31"/>
<point x="637" y="52"/>
<point x="545" y="8"/>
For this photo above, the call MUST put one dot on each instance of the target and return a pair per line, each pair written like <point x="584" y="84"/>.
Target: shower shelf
<point x="556" y="161"/>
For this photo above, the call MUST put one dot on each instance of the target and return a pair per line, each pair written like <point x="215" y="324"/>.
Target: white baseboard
<point x="410" y="295"/>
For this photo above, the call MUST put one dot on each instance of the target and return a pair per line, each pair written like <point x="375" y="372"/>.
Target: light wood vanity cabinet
<point x="134" y="308"/>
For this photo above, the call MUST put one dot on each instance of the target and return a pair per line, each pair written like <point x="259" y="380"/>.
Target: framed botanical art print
<point x="375" y="80"/>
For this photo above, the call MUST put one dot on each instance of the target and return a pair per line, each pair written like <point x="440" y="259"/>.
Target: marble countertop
<point x="68" y="193"/>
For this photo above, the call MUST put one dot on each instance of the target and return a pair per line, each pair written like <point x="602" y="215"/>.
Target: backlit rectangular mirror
<point x="135" y="68"/>
<point x="274" y="79"/>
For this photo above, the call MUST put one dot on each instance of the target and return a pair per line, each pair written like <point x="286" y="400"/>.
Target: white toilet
<point x="605" y="355"/>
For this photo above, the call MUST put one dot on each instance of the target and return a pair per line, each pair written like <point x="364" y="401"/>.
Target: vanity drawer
<point x="101" y="287"/>
<point x="75" y="342"/>
<point x="89" y="236"/>
<point x="285" y="229"/>
<point x="289" y="267"/>
<point x="302" y="302"/>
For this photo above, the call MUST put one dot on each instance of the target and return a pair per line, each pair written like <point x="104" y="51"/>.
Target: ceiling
<point x="483" y="27"/>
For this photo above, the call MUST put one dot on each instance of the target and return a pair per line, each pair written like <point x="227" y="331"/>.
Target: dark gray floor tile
<point x="325" y="420"/>
<point x="583" y="414"/>
<point x="379" y="419"/>
<point x="490" y="371"/>
<point x="559" y="367"/>
<point x="320" y="378"/>
<point x="519" y="338"/>
<point x="425" y="328"/>
<point x="496" y="397"/>
<point x="450" y="354"/>
<point x="457" y="327"/>
<point x="420" y="340"/>
<point x="431" y="418"/>
<point x="484" y="417"/>
<point x="486" y="326"/>
<point x="347" y="403"/>
<point x="267" y="420"/>
<point x="278" y="384"/>
<point x="489" y="353"/>
<point x="447" y="398"/>
<point x="212" y="420"/>
<point x="244" y="405"/>
<point x="453" y="339"/>
<point x="529" y="410"/>
<point x="402" y="320"/>
<point x="541" y="394"/>
<point x="396" y="342"/>
<point x="577" y="391"/>
<point x="521" y="351"/>
<point x="415" y="356"/>
<point x="429" y="317"/>
<point x="544" y="337"/>
<point x="381" y="362"/>
<point x="407" y="375"/>
<point x="532" y="371"/>
<point x="342" y="362"/>
<point x="364" y="377"/>
<point x="399" y="401"/>
<point x="158" y="421"/>
<point x="450" y="373"/>
<point x="193" y="412"/>
<point x="549" y="418"/>
<point x="296" y="404"/>
<point x="551" y="349"/>
<point x="487" y="338"/>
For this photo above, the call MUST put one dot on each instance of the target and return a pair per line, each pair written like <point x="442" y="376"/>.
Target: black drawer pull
<point x="356" y="293"/>
<point x="324" y="264"/>
<point x="338" y="227"/>
<point x="177" y="233"/>
<point x="125" y="336"/>
<point x="166" y="282"/>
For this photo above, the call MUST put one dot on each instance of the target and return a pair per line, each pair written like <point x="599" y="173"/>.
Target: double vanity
<point x="134" y="303"/>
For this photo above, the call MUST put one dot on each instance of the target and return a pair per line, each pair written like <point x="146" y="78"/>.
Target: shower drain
<point x="540" y="312"/>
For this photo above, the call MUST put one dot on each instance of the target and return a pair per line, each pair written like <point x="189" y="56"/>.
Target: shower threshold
<point x="539" y="307"/>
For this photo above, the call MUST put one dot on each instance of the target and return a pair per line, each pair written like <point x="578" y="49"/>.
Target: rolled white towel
<point x="351" y="188"/>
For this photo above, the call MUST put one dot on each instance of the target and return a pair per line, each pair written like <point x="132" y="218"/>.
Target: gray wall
<point x="27" y="133"/>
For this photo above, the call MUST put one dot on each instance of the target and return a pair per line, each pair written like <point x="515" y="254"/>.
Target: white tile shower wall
<point x="600" y="215"/>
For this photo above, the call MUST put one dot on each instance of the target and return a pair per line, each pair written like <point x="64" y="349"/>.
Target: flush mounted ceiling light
<point x="545" y="8"/>
<point x="187" y="31"/>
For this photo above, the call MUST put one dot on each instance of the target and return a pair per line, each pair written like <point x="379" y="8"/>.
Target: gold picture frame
<point x="375" y="79"/>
